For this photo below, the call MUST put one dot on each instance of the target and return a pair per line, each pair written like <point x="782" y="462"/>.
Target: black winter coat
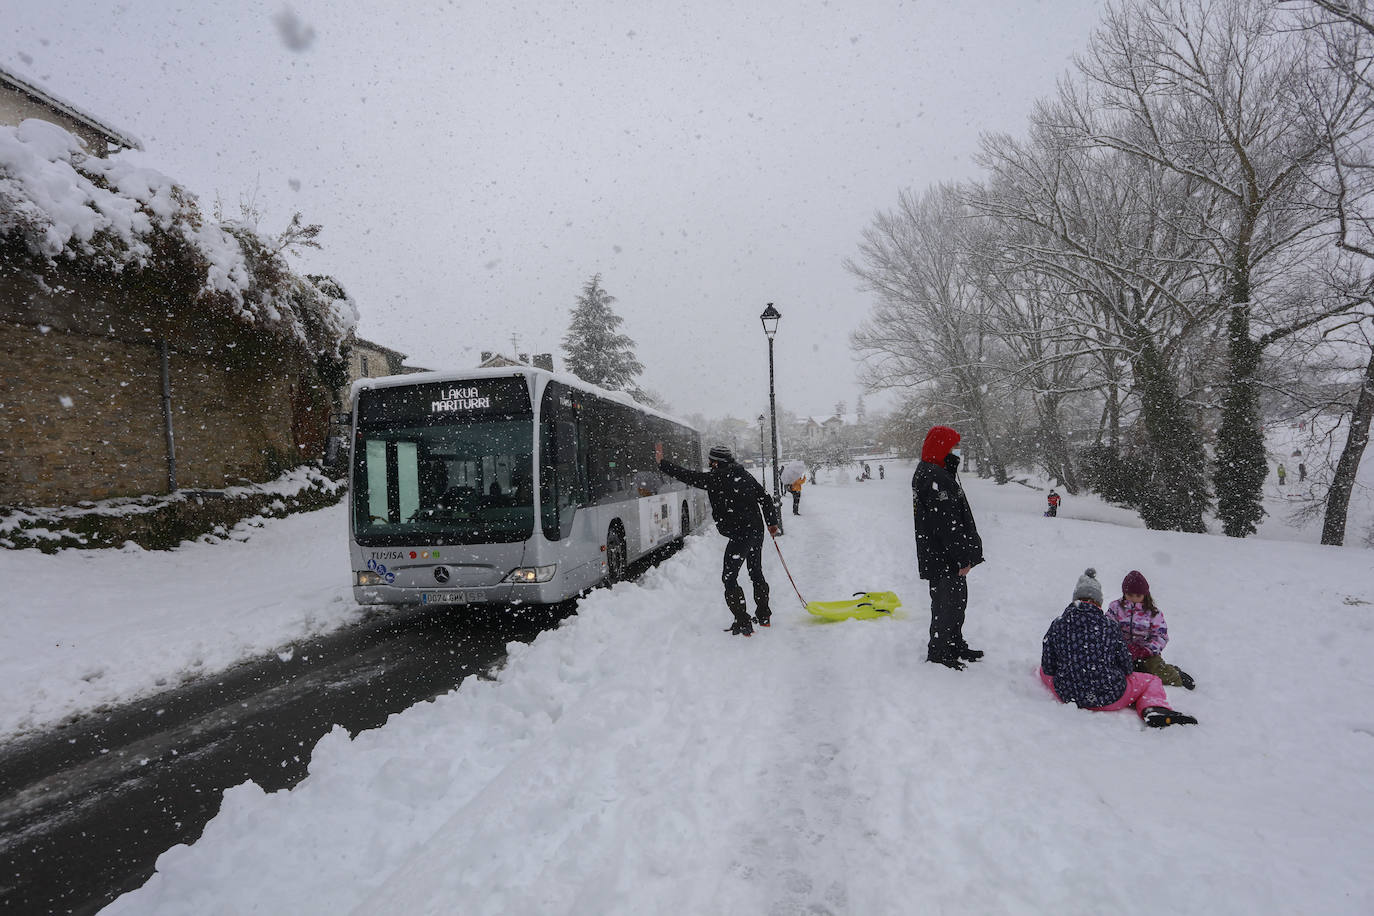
<point x="736" y="497"/>
<point x="1085" y="655"/>
<point x="946" y="536"/>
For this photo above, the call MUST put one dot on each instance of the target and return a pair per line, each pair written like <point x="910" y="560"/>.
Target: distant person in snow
<point x="881" y="472"/>
<point x="740" y="505"/>
<point x="868" y="472"/>
<point x="795" y="487"/>
<point x="947" y="546"/>
<point x="1146" y="634"/>
<point x="1302" y="472"/>
<point x="1283" y="474"/>
<point x="1084" y="660"/>
<point x="1053" y="500"/>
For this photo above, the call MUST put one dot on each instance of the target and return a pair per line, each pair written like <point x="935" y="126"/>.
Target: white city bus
<point x="507" y="486"/>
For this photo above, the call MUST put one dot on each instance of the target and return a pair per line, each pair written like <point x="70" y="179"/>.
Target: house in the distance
<point x="491" y="360"/>
<point x="21" y="99"/>
<point x="817" y="430"/>
<point x="367" y="359"/>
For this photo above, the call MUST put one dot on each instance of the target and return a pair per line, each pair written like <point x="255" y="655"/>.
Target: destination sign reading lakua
<point x="457" y="399"/>
<point x="440" y="400"/>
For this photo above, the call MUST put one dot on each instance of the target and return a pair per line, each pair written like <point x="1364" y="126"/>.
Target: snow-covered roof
<point x="361" y="342"/>
<point x="44" y="97"/>
<point x="500" y="360"/>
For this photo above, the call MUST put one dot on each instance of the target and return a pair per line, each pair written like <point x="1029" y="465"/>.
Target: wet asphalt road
<point x="86" y="809"/>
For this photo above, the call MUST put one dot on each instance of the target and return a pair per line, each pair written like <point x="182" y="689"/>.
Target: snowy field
<point x="638" y="760"/>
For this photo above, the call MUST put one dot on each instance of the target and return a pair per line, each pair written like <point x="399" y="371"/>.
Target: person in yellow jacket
<point x="795" y="487"/>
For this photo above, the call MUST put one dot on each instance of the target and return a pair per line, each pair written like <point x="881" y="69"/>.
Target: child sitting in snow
<point x="1146" y="634"/>
<point x="1084" y="660"/>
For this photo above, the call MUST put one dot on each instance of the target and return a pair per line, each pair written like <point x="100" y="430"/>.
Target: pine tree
<point x="592" y="349"/>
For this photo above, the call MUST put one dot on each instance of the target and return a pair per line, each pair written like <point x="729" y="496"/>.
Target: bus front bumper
<point x="504" y="593"/>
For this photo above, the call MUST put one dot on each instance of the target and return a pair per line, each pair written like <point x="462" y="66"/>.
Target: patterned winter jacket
<point x="1085" y="656"/>
<point x="1146" y="634"/>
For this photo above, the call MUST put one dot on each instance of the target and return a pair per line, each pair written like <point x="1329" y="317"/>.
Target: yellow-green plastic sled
<point x="863" y="606"/>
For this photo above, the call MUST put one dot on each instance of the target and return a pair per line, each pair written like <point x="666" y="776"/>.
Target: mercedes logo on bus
<point x="441" y="574"/>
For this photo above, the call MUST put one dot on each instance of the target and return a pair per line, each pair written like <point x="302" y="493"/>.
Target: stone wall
<point x="81" y="412"/>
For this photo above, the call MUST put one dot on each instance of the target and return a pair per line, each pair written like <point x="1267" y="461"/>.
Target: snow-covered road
<point x="638" y="760"/>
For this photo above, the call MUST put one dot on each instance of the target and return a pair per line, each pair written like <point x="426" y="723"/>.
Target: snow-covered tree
<point x="593" y="349"/>
<point x="1213" y="90"/>
<point x="928" y="329"/>
<point x="63" y="209"/>
<point x="1343" y="33"/>
<point x="1126" y="291"/>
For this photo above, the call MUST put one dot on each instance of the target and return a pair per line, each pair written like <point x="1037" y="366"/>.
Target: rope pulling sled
<point x="861" y="606"/>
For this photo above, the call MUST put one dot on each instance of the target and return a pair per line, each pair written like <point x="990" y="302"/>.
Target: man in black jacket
<point x="947" y="546"/>
<point x="737" y="500"/>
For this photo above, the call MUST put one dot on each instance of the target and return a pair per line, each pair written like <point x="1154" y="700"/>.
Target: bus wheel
<point x="616" y="555"/>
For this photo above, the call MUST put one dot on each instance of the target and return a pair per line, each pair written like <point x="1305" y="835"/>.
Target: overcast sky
<point x="473" y="164"/>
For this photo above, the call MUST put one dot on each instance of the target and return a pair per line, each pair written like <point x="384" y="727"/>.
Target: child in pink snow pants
<point x="1142" y="692"/>
<point x="1084" y="660"/>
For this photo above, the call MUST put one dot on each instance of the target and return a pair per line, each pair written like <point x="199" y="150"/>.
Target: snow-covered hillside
<point x="638" y="760"/>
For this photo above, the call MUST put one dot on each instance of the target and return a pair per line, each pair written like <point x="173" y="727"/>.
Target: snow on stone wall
<point x="64" y="204"/>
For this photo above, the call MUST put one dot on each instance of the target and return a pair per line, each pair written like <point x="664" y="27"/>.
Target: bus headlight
<point x="531" y="574"/>
<point x="368" y="577"/>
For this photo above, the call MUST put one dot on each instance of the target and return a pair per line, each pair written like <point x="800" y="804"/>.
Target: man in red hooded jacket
<point x="947" y="545"/>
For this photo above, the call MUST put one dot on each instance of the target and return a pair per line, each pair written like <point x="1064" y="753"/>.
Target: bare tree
<point x="1026" y="311"/>
<point x="1212" y="90"/>
<point x="1121" y="238"/>
<point x="1341" y="34"/>
<point x="929" y="328"/>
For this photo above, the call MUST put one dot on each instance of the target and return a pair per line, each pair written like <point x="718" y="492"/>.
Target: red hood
<point x="939" y="442"/>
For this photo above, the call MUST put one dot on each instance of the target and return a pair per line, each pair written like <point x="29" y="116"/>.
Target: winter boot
<point x="948" y="658"/>
<point x="1163" y="716"/>
<point x="1187" y="679"/>
<point x="734" y="599"/>
<point x="966" y="654"/>
<point x="763" y="611"/>
<point x="763" y="616"/>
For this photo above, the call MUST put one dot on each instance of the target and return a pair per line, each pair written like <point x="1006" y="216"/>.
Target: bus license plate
<point x="447" y="596"/>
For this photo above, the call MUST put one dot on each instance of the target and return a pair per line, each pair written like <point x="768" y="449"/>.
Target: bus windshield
<point x="442" y="479"/>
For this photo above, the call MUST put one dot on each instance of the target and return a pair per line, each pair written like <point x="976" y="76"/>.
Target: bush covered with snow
<point x="164" y="522"/>
<point x="112" y="217"/>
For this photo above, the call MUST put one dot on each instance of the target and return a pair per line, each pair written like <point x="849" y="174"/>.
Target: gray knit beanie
<point x="1088" y="587"/>
<point x="721" y="453"/>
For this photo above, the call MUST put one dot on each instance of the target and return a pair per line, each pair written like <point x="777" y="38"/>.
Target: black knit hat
<point x="721" y="453"/>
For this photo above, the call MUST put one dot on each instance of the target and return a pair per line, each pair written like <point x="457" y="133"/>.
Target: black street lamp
<point x="763" y="448"/>
<point x="770" y="319"/>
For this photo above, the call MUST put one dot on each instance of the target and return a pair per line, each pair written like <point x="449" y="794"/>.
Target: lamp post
<point x="770" y="319"/>
<point x="763" y="448"/>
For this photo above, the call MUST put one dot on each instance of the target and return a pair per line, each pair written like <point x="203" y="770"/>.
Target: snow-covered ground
<point x="639" y="760"/>
<point x="81" y="628"/>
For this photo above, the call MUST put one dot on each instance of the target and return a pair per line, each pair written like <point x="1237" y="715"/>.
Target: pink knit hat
<point x="1134" y="584"/>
